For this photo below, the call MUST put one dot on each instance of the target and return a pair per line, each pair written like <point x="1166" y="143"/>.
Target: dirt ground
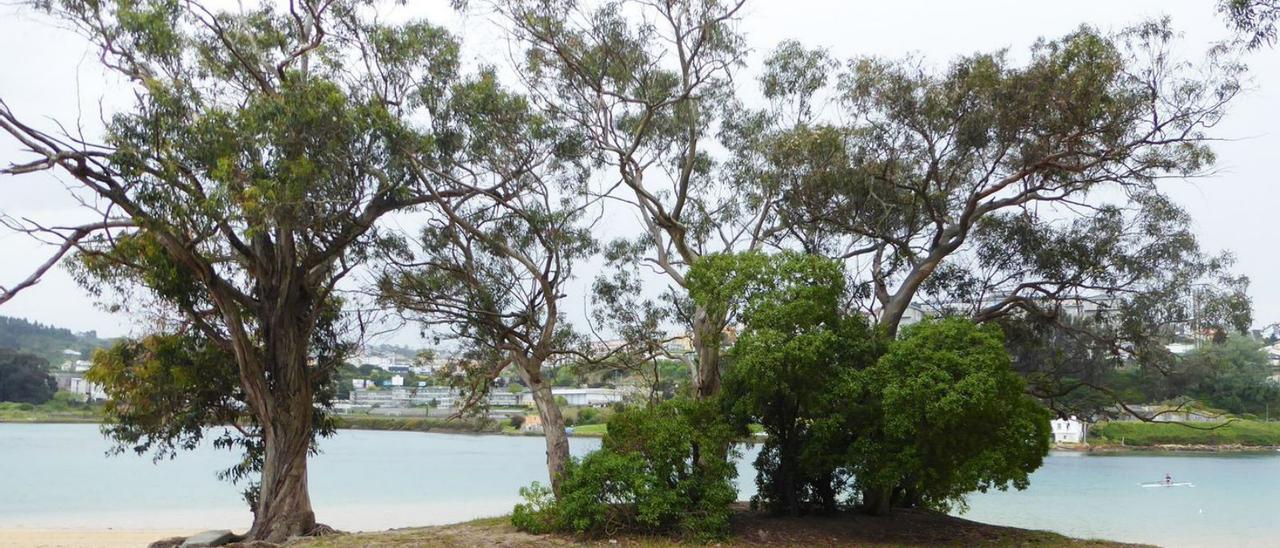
<point x="903" y="528"/>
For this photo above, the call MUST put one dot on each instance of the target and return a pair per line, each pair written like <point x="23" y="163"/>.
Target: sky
<point x="51" y="74"/>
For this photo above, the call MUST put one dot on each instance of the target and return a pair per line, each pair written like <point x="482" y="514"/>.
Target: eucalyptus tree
<point x="241" y="185"/>
<point x="492" y="265"/>
<point x="1254" y="21"/>
<point x="646" y="83"/>
<point x="995" y="187"/>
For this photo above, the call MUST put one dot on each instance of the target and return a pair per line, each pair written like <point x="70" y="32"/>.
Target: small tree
<point x="25" y="378"/>
<point x="492" y="268"/>
<point x="943" y="414"/>
<point x="646" y="83"/>
<point x="797" y="348"/>
<point x="643" y="478"/>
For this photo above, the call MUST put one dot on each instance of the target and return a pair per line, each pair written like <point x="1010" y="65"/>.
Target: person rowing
<point x="1168" y="480"/>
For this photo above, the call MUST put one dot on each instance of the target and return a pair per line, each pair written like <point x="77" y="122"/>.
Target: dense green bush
<point x="587" y="415"/>
<point x="647" y="476"/>
<point x="788" y="366"/>
<point x="25" y="378"/>
<point x="946" y="415"/>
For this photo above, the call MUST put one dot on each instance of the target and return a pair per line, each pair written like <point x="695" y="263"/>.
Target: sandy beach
<point x="81" y="538"/>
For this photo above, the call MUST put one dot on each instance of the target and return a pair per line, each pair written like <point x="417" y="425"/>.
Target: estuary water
<point x="59" y="476"/>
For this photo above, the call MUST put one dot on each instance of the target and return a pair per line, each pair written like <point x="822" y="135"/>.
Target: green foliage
<point x="538" y="514"/>
<point x="1143" y="434"/>
<point x="647" y="477"/>
<point x="788" y="366"/>
<point x="949" y="417"/>
<point x="165" y="392"/>
<point x="1254" y="21"/>
<point x="588" y="415"/>
<point x="1233" y="375"/>
<point x="981" y="178"/>
<point x="24" y="378"/>
<point x="47" y="342"/>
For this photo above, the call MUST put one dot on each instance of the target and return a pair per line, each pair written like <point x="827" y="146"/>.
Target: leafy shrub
<point x="947" y="416"/>
<point x="588" y="415"/>
<point x="647" y="476"/>
<point x="537" y="514"/>
<point x="517" y="420"/>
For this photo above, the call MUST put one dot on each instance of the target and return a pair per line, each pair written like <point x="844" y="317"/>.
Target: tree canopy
<point x="24" y="378"/>
<point x="245" y="182"/>
<point x="972" y="186"/>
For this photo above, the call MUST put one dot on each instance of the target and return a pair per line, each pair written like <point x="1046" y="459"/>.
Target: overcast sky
<point x="49" y="72"/>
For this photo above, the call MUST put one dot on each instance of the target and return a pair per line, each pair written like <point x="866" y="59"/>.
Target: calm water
<point x="57" y="476"/>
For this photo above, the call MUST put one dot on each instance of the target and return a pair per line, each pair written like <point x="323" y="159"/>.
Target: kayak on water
<point x="1164" y="484"/>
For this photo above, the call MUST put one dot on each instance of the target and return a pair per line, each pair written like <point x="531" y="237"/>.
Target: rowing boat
<point x="1174" y="484"/>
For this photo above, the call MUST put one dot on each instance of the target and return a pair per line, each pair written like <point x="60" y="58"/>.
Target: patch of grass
<point x="590" y="430"/>
<point x="416" y="424"/>
<point x="1140" y="434"/>
<point x="62" y="408"/>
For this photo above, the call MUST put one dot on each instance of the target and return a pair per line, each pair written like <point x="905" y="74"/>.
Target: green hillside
<point x="46" y="341"/>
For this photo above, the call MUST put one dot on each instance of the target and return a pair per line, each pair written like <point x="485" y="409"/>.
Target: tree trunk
<point x="552" y="424"/>
<point x="707" y="333"/>
<point x="284" y="503"/>
<point x="876" y="501"/>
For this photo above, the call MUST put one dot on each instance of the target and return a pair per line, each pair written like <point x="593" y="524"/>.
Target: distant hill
<point x="47" y="341"/>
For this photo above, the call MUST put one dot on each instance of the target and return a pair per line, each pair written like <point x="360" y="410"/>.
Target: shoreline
<point x="384" y="424"/>
<point x="440" y="426"/>
<point x="1103" y="448"/>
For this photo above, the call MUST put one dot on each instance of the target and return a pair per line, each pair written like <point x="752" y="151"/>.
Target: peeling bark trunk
<point x="286" y="415"/>
<point x="552" y="424"/>
<point x="706" y="341"/>
<point x="284" y="503"/>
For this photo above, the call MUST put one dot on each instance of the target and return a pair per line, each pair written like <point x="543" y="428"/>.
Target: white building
<point x="1273" y="354"/>
<point x="598" y="397"/>
<point x="1070" y="430"/>
<point x="87" y="390"/>
<point x="397" y="380"/>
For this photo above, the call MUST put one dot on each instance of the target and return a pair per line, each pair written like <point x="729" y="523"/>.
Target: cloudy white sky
<point x="49" y="72"/>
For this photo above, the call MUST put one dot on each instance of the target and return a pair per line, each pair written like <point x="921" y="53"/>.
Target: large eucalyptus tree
<point x="995" y="186"/>
<point x="241" y="185"/>
<point x="648" y="84"/>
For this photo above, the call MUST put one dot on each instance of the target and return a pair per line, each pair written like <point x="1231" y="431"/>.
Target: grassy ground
<point x="51" y="411"/>
<point x="417" y="424"/>
<point x="1147" y="434"/>
<point x="903" y="528"/>
<point x="590" y="430"/>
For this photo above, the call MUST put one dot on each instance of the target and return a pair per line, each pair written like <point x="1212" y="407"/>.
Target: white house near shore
<point x="1070" y="430"/>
